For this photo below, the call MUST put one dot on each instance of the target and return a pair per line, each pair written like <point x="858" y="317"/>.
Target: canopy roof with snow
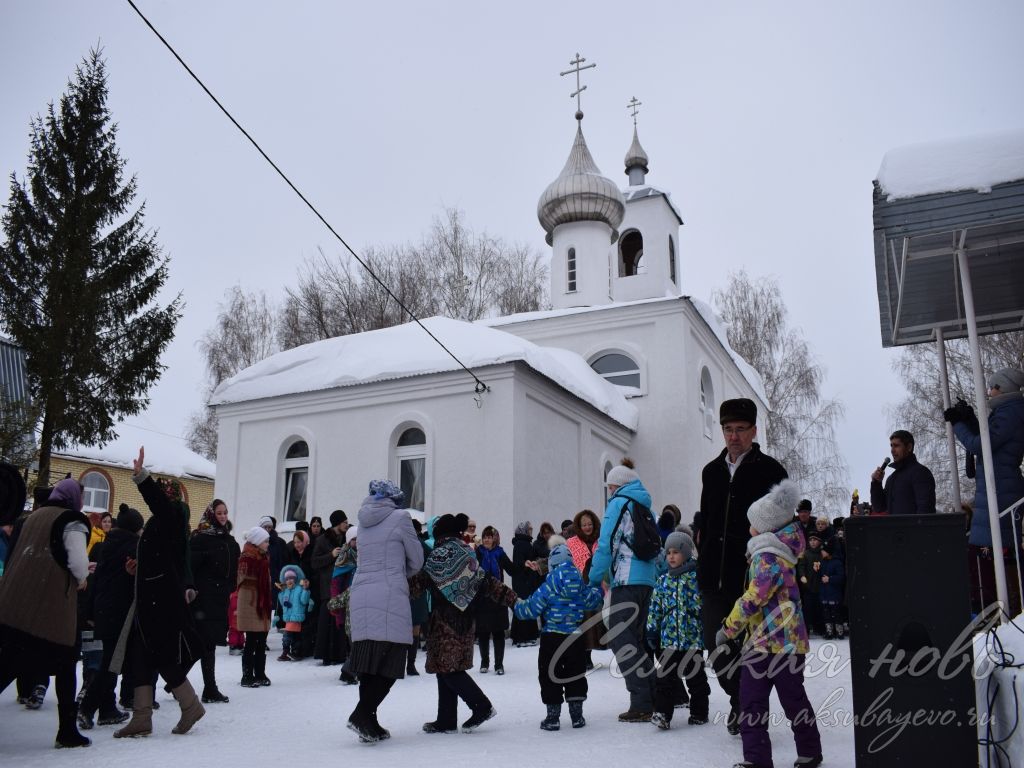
<point x="165" y="454"/>
<point x="930" y="201"/>
<point x="405" y="351"/>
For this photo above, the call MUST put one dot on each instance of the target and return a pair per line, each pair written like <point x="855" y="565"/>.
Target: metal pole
<point x="986" y="440"/>
<point x="954" y="471"/>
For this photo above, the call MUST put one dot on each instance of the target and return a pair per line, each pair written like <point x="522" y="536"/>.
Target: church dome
<point x="636" y="157"/>
<point x="581" y="193"/>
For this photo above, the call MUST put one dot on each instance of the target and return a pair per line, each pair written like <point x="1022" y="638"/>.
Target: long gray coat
<point x="389" y="553"/>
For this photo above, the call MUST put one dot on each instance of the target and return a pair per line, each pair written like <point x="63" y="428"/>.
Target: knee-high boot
<point x="191" y="708"/>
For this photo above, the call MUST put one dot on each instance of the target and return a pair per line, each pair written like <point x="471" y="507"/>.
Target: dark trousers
<point x="785" y="673"/>
<point x="524" y="631"/>
<point x="562" y="667"/>
<point x="373" y="689"/>
<point x="143" y="665"/>
<point x="982" y="573"/>
<point x="254" y="653"/>
<point x="680" y="673"/>
<point x="715" y="606"/>
<point x="453" y="686"/>
<point x="99" y="695"/>
<point x="627" y="623"/>
<point x="484" y="639"/>
<point x="811" y="604"/>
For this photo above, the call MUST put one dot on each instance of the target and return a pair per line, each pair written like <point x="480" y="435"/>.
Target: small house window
<point x="618" y="369"/>
<point x="411" y="454"/>
<point x="296" y="481"/>
<point x="570" y="282"/>
<point x="95" y="492"/>
<point x="671" y="259"/>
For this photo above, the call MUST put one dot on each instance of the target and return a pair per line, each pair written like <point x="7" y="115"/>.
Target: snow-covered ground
<point x="302" y="716"/>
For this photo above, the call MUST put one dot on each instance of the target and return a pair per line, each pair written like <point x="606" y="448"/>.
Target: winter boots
<point x="141" y="723"/>
<point x="410" y="665"/>
<point x="830" y="632"/>
<point x="435" y="726"/>
<point x="214" y="696"/>
<point x="248" y="678"/>
<point x="661" y="720"/>
<point x="576" y="713"/>
<point x="67" y="732"/>
<point x="260" y="669"/>
<point x="550" y="723"/>
<point x="191" y="708"/>
<point x="478" y="718"/>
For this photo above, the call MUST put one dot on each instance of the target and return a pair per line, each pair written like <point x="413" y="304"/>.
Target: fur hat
<point x="129" y="519"/>
<point x="257" y="536"/>
<point x="622" y="474"/>
<point x="680" y="541"/>
<point x="774" y="510"/>
<point x="1007" y="380"/>
<point x="554" y="540"/>
<point x="804" y="504"/>
<point x="739" y="409"/>
<point x="559" y="554"/>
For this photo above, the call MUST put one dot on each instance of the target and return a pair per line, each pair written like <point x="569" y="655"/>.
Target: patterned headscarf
<point x="385" y="489"/>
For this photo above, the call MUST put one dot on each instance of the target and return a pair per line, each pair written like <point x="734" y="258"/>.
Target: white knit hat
<point x="257" y="536"/>
<point x="774" y="510"/>
<point x="622" y="474"/>
<point x="1007" y="380"/>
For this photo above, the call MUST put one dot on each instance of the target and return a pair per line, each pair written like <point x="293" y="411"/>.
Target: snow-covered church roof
<point x="978" y="163"/>
<point x="404" y="351"/>
<point x="165" y="454"/>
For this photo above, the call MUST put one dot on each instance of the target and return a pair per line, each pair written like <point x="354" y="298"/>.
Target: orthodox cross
<point x="633" y="105"/>
<point x="579" y="89"/>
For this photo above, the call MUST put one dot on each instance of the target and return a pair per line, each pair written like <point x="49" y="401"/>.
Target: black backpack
<point x="646" y="543"/>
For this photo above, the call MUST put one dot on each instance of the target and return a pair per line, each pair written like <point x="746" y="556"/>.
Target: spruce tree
<point x="79" y="273"/>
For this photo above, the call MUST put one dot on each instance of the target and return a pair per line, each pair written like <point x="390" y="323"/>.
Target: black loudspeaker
<point x="910" y="641"/>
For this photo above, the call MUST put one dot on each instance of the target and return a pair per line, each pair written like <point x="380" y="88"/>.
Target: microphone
<point x="886" y="463"/>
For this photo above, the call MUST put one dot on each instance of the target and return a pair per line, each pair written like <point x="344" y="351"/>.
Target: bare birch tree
<point x="920" y="412"/>
<point x="245" y="333"/>
<point x="800" y="422"/>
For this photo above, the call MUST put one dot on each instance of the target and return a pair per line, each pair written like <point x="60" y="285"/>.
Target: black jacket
<point x="112" y="587"/>
<point x="214" y="557"/>
<point x="724" y="528"/>
<point x="910" y="490"/>
<point x="524" y="581"/>
<point x="164" y="619"/>
<point x="323" y="561"/>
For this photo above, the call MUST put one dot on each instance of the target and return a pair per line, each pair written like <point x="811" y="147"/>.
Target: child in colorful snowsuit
<point x="294" y="604"/>
<point x="674" y="619"/>
<point x="770" y="611"/>
<point x="561" y="603"/>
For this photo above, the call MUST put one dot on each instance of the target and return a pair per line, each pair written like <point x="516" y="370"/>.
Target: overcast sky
<point x="766" y="121"/>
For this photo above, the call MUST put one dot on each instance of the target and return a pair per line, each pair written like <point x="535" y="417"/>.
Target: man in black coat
<point x="329" y="637"/>
<point x="910" y="490"/>
<point x="740" y="475"/>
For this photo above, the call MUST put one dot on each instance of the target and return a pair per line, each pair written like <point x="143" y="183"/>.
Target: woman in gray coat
<point x="379" y="614"/>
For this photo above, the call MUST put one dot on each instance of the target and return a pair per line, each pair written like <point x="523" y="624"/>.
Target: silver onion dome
<point x="581" y="193"/>
<point x="636" y="157"/>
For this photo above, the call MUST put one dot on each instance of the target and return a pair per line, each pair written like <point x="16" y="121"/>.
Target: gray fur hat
<point x="774" y="510"/>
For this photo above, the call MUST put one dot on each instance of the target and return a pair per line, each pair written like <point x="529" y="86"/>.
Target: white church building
<point x="624" y="364"/>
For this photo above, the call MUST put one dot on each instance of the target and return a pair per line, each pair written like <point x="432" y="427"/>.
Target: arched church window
<point x="295" y="471"/>
<point x="707" y="403"/>
<point x="671" y="259"/>
<point x="618" y="368"/>
<point x="631" y="254"/>
<point x="95" y="492"/>
<point x="570" y="266"/>
<point x="411" y="455"/>
<point x="604" y="480"/>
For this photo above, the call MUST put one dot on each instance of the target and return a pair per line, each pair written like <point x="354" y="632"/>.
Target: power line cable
<point x="480" y="386"/>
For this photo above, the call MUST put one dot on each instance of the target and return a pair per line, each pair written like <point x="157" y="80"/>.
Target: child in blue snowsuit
<point x="674" y="620"/>
<point x="293" y="603"/>
<point x="560" y="602"/>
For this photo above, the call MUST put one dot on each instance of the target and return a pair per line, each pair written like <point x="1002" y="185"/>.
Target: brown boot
<point x="141" y="723"/>
<point x="191" y="708"/>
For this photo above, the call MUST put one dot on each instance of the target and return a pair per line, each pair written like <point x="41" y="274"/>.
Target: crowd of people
<point x="740" y="591"/>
